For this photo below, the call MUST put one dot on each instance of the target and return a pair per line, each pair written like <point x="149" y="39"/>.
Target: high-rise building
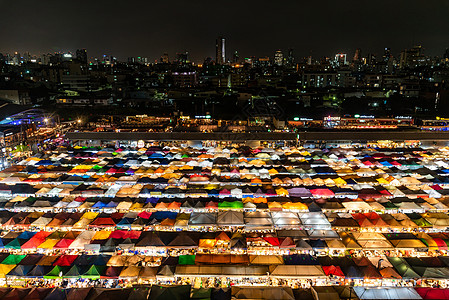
<point x="26" y="57"/>
<point x="278" y="58"/>
<point x="81" y="55"/>
<point x="17" y="59"/>
<point x="340" y="59"/>
<point x="182" y="58"/>
<point x="142" y="60"/>
<point x="412" y="57"/>
<point x="371" y="59"/>
<point x="387" y="54"/>
<point x="357" y="55"/>
<point x="220" y="51"/>
<point x="165" y="59"/>
<point x="235" y="57"/>
<point x="290" y="58"/>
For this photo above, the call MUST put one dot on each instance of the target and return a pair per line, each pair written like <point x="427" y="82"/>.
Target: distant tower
<point x="357" y="55"/>
<point x="220" y="51"/>
<point x="290" y="58"/>
<point x="387" y="54"/>
<point x="278" y="58"/>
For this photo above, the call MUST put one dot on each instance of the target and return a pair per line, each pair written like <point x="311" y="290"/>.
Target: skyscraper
<point x="357" y="55"/>
<point x="165" y="59"/>
<point x="278" y="58"/>
<point x="387" y="54"/>
<point x="81" y="55"/>
<point x="340" y="59"/>
<point x="235" y="57"/>
<point x="220" y="51"/>
<point x="290" y="58"/>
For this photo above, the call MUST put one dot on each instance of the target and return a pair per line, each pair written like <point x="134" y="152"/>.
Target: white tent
<point x="386" y="293"/>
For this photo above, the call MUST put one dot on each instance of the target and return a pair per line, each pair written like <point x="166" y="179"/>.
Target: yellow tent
<point x="339" y="181"/>
<point x="282" y="192"/>
<point x="294" y="206"/>
<point x="136" y="206"/>
<point x="257" y="162"/>
<point x="82" y="223"/>
<point x="207" y="243"/>
<point x="48" y="244"/>
<point x="272" y="171"/>
<point x="89" y="215"/>
<point x="102" y="235"/>
<point x="5" y="269"/>
<point x="382" y="180"/>
<point x="259" y="200"/>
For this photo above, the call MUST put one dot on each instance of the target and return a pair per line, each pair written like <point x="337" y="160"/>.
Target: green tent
<point x="56" y="272"/>
<point x="74" y="272"/>
<point x="13" y="259"/>
<point x="186" y="260"/>
<point x="389" y="205"/>
<point x="403" y="267"/>
<point x="179" y="292"/>
<point x="14" y="244"/>
<point x="231" y="204"/>
<point x="202" y="294"/>
<point x="422" y="222"/>
<point x="94" y="272"/>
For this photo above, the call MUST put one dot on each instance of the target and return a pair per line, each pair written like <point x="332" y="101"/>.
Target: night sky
<point x="149" y="28"/>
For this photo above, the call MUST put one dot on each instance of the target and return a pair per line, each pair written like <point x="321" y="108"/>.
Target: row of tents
<point x="185" y="292"/>
<point x="297" y="266"/>
<point x="248" y="220"/>
<point x="301" y="240"/>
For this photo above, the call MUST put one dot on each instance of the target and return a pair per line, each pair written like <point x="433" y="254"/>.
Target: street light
<point x="46" y="120"/>
<point x="79" y="120"/>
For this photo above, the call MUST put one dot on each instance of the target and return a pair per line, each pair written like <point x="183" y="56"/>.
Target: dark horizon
<point x="253" y="28"/>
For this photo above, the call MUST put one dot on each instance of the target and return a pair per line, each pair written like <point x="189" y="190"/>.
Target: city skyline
<point x="228" y="56"/>
<point x="250" y="28"/>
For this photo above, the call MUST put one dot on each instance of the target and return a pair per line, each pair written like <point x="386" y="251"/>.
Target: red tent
<point x="359" y="216"/>
<point x="333" y="270"/>
<point x="225" y="192"/>
<point x="63" y="244"/>
<point x="144" y="215"/>
<point x="212" y="204"/>
<point x="102" y="222"/>
<point x="36" y="240"/>
<point x="433" y="293"/>
<point x="287" y="243"/>
<point x="118" y="234"/>
<point x="441" y="244"/>
<point x="322" y="192"/>
<point x="65" y="260"/>
<point x="274" y="241"/>
<point x="132" y="234"/>
<point x="436" y="187"/>
<point x="372" y="215"/>
<point x="365" y="223"/>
